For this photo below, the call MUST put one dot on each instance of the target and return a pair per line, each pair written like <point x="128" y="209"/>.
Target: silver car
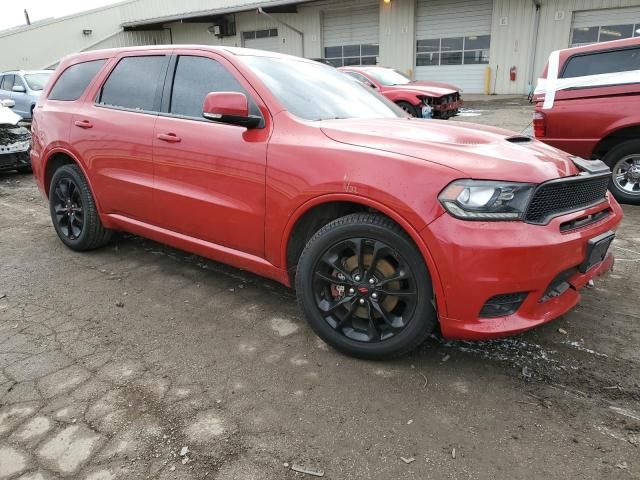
<point x="23" y="87"/>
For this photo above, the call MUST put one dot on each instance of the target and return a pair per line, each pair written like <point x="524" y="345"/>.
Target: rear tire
<point x="73" y="211"/>
<point x="410" y="109"/>
<point x="624" y="161"/>
<point x="364" y="287"/>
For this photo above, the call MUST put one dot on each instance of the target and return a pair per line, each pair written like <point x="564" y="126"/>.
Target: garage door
<point x="262" y="40"/>
<point x="350" y="36"/>
<point x="594" y="26"/>
<point x="452" y="42"/>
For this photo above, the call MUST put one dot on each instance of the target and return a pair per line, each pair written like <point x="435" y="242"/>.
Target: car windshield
<point x="388" y="77"/>
<point x="37" y="81"/>
<point x="313" y="91"/>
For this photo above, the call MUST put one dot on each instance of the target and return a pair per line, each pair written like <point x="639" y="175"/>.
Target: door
<point x="114" y="135"/>
<point x="22" y="98"/>
<point x="209" y="177"/>
<point x="453" y="41"/>
<point x="6" y="86"/>
<point x="350" y="36"/>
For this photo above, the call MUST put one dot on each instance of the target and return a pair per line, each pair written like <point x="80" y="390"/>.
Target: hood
<point x="433" y="89"/>
<point x="476" y="151"/>
<point x="8" y="117"/>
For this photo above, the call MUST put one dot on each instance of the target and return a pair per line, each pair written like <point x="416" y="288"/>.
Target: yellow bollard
<point x="487" y="81"/>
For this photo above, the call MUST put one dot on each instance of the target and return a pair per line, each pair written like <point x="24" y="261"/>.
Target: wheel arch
<point x="615" y="137"/>
<point x="319" y="211"/>
<point x="58" y="157"/>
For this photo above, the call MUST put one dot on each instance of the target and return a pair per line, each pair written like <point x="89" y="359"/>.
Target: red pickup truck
<point x="588" y="104"/>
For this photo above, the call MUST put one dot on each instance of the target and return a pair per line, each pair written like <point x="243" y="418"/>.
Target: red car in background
<point x="594" y="110"/>
<point x="444" y="100"/>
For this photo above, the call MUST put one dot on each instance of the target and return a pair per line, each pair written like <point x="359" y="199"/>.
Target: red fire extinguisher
<point x="512" y="74"/>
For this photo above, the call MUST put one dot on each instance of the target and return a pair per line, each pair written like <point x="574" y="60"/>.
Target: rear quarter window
<point x="75" y="80"/>
<point x="613" y="61"/>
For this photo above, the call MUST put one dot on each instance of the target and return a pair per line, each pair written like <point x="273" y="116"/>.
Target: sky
<point x="12" y="11"/>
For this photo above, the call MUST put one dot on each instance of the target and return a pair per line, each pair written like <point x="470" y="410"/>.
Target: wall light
<point x="387" y="1"/>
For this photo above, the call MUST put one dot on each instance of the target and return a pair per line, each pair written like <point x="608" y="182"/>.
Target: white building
<point x="449" y="40"/>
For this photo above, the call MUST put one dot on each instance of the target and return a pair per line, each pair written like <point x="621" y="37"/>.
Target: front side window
<point x="135" y="83"/>
<point x="469" y="50"/>
<point x="75" y="80"/>
<point x="351" y="55"/>
<point x="602" y="62"/>
<point x="313" y="91"/>
<point x="37" y="81"/>
<point x="194" y="78"/>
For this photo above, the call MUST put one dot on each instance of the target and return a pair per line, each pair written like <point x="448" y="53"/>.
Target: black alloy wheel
<point x="364" y="287"/>
<point x="67" y="205"/>
<point x="73" y="210"/>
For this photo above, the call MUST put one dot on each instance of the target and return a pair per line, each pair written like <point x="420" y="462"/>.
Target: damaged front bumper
<point x="15" y="143"/>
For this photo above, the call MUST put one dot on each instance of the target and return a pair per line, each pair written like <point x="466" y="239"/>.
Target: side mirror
<point x="229" y="107"/>
<point x="8" y="103"/>
<point x="19" y="89"/>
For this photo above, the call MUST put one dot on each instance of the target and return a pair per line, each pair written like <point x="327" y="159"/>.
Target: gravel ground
<point x="112" y="362"/>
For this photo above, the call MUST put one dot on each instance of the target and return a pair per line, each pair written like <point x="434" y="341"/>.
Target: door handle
<point x="169" y="137"/>
<point x="83" y="124"/>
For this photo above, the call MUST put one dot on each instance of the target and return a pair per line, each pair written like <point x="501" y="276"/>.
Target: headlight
<point x="486" y="199"/>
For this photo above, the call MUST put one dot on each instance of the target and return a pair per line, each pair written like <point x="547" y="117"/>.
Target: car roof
<point x="106" y="53"/>
<point x="24" y="72"/>
<point x="364" y="68"/>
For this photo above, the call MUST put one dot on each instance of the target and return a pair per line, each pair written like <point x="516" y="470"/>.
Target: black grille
<point x="558" y="197"/>
<point x="502" y="305"/>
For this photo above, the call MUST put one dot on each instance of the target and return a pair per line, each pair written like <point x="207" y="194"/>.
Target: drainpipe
<point x="536" y="28"/>
<point x="260" y="11"/>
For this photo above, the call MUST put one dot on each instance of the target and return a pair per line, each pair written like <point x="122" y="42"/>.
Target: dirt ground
<point x="112" y="362"/>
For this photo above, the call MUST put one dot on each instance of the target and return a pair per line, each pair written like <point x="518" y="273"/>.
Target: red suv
<point x="588" y="104"/>
<point x="440" y="100"/>
<point x="386" y="225"/>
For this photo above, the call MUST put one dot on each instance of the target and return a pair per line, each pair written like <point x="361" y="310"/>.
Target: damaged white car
<point x="15" y="140"/>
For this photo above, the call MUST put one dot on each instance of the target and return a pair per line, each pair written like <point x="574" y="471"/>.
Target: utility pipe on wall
<point x="534" y="45"/>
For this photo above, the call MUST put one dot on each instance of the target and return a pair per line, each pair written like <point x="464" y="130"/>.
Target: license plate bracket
<point x="597" y="249"/>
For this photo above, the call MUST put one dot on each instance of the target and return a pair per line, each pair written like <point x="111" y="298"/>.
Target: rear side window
<point x="197" y="76"/>
<point x="75" y="80"/>
<point x="135" y="83"/>
<point x="603" y="62"/>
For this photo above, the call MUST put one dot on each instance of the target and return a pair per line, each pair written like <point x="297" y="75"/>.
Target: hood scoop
<point x="519" y="139"/>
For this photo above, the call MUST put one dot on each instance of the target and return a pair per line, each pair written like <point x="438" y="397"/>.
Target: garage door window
<point x="470" y="50"/>
<point x="596" y="34"/>
<point x="346" y="55"/>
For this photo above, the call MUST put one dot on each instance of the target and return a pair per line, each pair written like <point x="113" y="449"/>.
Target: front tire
<point x="73" y="211"/>
<point x="410" y="109"/>
<point x="364" y="287"/>
<point x="624" y="161"/>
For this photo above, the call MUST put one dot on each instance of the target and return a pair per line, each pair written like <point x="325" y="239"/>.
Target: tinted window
<point x="135" y="83"/>
<point x="197" y="76"/>
<point x="7" y="82"/>
<point x="74" y="80"/>
<point x="603" y="62"/>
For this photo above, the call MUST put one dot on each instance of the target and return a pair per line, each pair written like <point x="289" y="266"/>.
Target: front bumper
<point x="447" y="110"/>
<point x="479" y="260"/>
<point x="11" y="161"/>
